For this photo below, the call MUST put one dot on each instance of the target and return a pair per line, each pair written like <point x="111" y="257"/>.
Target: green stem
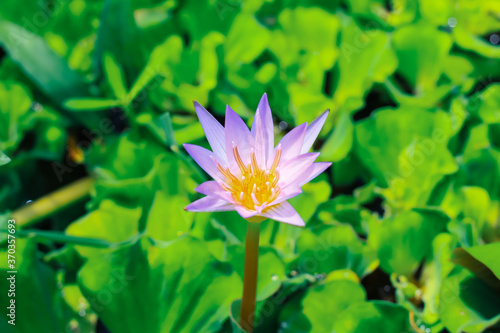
<point x="250" y="277"/>
<point x="52" y="203"/>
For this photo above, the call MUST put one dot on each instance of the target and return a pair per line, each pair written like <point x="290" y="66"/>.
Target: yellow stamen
<point x="276" y="179"/>
<point x="276" y="160"/>
<point x="238" y="159"/>
<point x="255" y="187"/>
<point x="254" y="162"/>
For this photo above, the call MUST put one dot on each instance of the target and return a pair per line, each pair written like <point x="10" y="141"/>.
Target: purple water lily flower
<point x="250" y="174"/>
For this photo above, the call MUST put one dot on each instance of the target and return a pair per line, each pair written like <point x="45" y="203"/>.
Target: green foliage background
<point x="105" y="88"/>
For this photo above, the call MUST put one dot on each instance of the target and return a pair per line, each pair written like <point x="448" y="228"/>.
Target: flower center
<point x="256" y="187"/>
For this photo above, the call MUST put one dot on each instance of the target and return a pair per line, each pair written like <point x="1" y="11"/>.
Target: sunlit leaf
<point x="421" y="51"/>
<point x="4" y="159"/>
<point x="90" y="104"/>
<point x="321" y="306"/>
<point x="110" y="222"/>
<point x="15" y="103"/>
<point x="114" y="74"/>
<point x="338" y="145"/>
<point x="373" y="316"/>
<point x="365" y="57"/>
<point x="402" y="241"/>
<point x="406" y="150"/>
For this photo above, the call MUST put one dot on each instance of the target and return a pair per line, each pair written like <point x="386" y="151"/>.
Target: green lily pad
<point x="298" y="32"/>
<point x="365" y="57"/>
<point x="313" y="194"/>
<point x="246" y="39"/>
<point x="338" y="145"/>
<point x="421" y="50"/>
<point x="343" y="209"/>
<point x="167" y="218"/>
<point x="489" y="109"/>
<point x="481" y="163"/>
<point x="381" y="13"/>
<point x="327" y="248"/>
<point x="177" y="288"/>
<point x="130" y="183"/>
<point x="110" y="222"/>
<point x="467" y="304"/>
<point x="402" y="241"/>
<point x="15" y="103"/>
<point x="373" y="316"/>
<point x="406" y="150"/>
<point x="322" y="305"/>
<point x="424" y="99"/>
<point x="468" y="202"/>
